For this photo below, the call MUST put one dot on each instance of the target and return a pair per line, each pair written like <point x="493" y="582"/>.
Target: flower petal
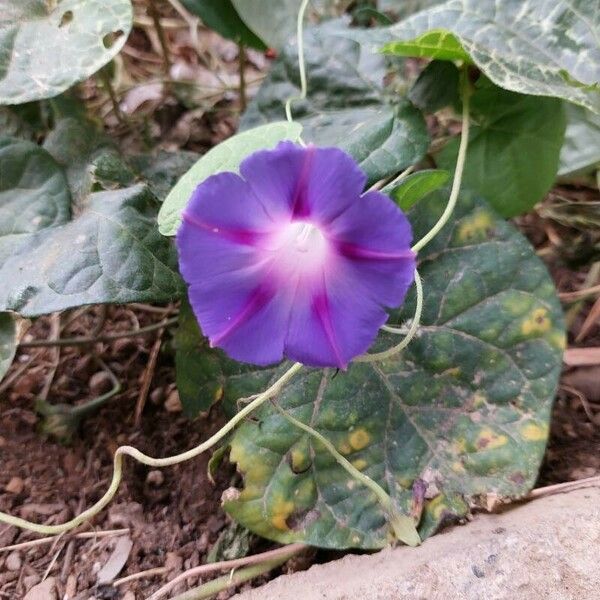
<point x="331" y="321"/>
<point x="242" y="314"/>
<point x="374" y="237"/>
<point x="311" y="183"/>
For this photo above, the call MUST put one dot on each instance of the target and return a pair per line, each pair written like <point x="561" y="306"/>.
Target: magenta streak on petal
<point x="350" y="250"/>
<point x="257" y="300"/>
<point x="323" y="311"/>
<point x="300" y="207"/>
<point x="238" y="236"/>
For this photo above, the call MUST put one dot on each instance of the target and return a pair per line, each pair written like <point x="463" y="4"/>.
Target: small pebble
<point x="100" y="383"/>
<point x="43" y="591"/>
<point x="13" y="561"/>
<point x="173" y="403"/>
<point x="157" y="395"/>
<point x="129" y="596"/>
<point x="155" y="477"/>
<point x="14" y="486"/>
<point x="29" y="581"/>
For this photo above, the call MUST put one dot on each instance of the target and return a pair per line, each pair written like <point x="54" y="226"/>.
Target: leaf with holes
<point x="205" y="375"/>
<point x="538" y="47"/>
<point x="514" y="149"/>
<point x="50" y="261"/>
<point x="227" y="156"/>
<point x="8" y="342"/>
<point x="346" y="104"/>
<point x="222" y="16"/>
<point x="46" y="47"/>
<point x="464" y="410"/>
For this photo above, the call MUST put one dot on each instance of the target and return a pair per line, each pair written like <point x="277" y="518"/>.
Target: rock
<point x="173" y="403"/>
<point x="13" y="561"/>
<point x="155" y="478"/>
<point x="14" y="486"/>
<point x="42" y="591"/>
<point x="541" y="549"/>
<point x="100" y="383"/>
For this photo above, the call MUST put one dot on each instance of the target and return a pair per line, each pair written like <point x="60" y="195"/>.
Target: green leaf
<point x="47" y="46"/>
<point x="34" y="195"/>
<point x="222" y="16"/>
<point x="274" y="21"/>
<point x="513" y="152"/>
<point x="206" y="375"/>
<point x="436" y="86"/>
<point x="162" y="170"/>
<point x="538" y="47"/>
<point x="346" y="104"/>
<point x="416" y="186"/>
<point x="437" y="44"/>
<point x="111" y="251"/>
<point x="581" y="149"/>
<point x="8" y="342"/>
<point x="77" y="145"/>
<point x="227" y="156"/>
<point x="465" y="408"/>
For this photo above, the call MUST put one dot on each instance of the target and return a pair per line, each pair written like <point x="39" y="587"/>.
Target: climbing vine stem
<point x="301" y="61"/>
<point x="403" y="526"/>
<point x="122" y="451"/>
<point x="460" y="165"/>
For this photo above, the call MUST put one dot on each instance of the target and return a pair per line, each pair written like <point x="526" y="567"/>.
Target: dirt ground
<point x="173" y="516"/>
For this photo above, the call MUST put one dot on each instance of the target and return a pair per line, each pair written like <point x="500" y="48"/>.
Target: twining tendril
<point x="151" y="462"/>
<point x="301" y="61"/>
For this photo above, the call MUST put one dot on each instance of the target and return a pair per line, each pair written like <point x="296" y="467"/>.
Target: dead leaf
<point x="592" y="318"/>
<point x="116" y="562"/>
<point x="577" y="357"/>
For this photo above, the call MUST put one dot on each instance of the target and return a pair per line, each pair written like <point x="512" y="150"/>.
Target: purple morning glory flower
<point x="290" y="258"/>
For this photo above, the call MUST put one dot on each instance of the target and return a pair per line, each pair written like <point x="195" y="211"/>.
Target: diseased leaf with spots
<point x="227" y="156"/>
<point x="416" y="186"/>
<point x="465" y="408"/>
<point x="111" y="251"/>
<point x="514" y="148"/>
<point x="8" y="342"/>
<point x="47" y="46"/>
<point x="346" y="104"/>
<point x="206" y="375"/>
<point x="538" y="47"/>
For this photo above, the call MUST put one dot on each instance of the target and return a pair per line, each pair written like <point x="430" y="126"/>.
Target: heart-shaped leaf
<point x="538" y="47"/>
<point x="463" y="411"/>
<point x="8" y="342"/>
<point x="514" y="149"/>
<point x="47" y="46"/>
<point x="227" y="156"/>
<point x="346" y="104"/>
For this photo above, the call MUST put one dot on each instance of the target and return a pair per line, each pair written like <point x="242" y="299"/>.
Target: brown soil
<point x="174" y="516"/>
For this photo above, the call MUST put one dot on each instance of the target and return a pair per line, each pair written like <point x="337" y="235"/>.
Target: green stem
<point x="460" y="166"/>
<point x="404" y="527"/>
<point x="242" y="74"/>
<point x="151" y="462"/>
<point x="162" y="38"/>
<point x="233" y="579"/>
<point x="301" y="62"/>
<point x="108" y="86"/>
<point x="409" y="336"/>
<point x="79" y="341"/>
